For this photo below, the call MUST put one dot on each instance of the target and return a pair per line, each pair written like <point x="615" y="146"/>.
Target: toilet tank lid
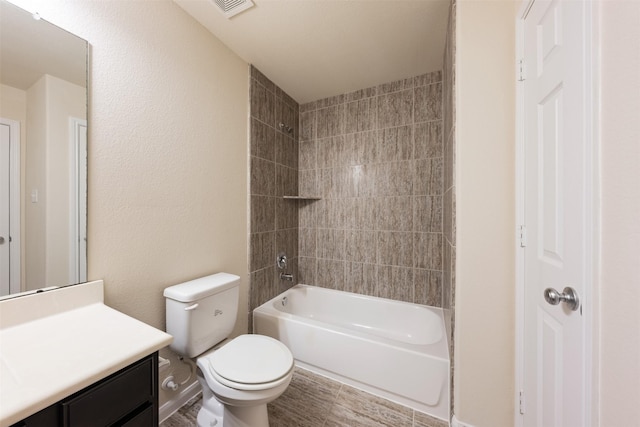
<point x="196" y="289"/>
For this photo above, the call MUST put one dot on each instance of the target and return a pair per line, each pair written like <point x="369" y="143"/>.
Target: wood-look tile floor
<point x="315" y="401"/>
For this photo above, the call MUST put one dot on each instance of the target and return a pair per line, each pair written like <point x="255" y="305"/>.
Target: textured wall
<point x="167" y="152"/>
<point x="618" y="341"/>
<point x="274" y="173"/>
<point x="485" y="215"/>
<point x="375" y="157"/>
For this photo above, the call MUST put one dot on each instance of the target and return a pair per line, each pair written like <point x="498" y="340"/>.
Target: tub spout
<point x="286" y="276"/>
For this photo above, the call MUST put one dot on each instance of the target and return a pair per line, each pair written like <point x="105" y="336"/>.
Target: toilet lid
<point x="252" y="359"/>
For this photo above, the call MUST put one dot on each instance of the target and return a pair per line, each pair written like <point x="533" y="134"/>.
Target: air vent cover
<point x="233" y="7"/>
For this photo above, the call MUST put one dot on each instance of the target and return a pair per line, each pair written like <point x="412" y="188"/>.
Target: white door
<point x="557" y="211"/>
<point x="9" y="206"/>
<point x="5" y="163"/>
<point x="78" y="201"/>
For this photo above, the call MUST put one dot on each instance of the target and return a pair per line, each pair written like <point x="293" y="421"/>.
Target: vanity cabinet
<point x="128" y="398"/>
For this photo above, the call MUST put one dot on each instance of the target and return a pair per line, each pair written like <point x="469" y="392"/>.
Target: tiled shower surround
<point x="274" y="173"/>
<point x="375" y="158"/>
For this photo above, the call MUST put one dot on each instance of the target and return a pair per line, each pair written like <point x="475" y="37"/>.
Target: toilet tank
<point x="201" y="312"/>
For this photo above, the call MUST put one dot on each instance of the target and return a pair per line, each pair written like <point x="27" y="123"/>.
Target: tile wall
<point x="449" y="199"/>
<point x="273" y="173"/>
<point x="376" y="159"/>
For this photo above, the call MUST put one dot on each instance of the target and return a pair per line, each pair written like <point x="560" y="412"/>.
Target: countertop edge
<point x="119" y="339"/>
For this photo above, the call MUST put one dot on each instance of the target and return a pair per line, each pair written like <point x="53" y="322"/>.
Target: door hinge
<point x="522" y="235"/>
<point x="521" y="399"/>
<point x="521" y="70"/>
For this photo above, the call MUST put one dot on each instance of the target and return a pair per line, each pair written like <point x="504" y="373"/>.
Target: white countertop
<point x="55" y="343"/>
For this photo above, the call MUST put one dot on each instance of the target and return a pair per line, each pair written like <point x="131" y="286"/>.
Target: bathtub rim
<point x="437" y="350"/>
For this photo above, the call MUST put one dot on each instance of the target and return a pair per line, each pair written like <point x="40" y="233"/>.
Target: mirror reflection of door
<point x="4" y="209"/>
<point x="9" y="206"/>
<point x="78" y="200"/>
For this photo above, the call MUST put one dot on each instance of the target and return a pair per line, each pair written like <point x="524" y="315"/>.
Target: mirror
<point x="43" y="161"/>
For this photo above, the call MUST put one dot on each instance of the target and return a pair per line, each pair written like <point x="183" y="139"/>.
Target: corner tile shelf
<point x="302" y="197"/>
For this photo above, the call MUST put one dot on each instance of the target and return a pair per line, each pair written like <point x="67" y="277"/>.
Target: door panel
<point x="555" y="211"/>
<point x="5" y="139"/>
<point x="550" y="177"/>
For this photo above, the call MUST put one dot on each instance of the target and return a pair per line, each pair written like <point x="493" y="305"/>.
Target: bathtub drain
<point x="284" y="301"/>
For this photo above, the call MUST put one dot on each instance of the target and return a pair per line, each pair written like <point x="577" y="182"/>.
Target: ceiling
<point x="315" y="49"/>
<point x="30" y="48"/>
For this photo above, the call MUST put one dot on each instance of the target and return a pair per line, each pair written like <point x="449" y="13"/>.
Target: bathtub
<point x="392" y="349"/>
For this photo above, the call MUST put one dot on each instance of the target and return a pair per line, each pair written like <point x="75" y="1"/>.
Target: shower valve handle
<point x="281" y="261"/>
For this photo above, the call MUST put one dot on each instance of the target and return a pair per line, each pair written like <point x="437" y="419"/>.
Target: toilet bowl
<point x="243" y="375"/>
<point x="238" y="377"/>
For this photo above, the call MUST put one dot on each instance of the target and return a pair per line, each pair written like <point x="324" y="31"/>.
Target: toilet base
<point x="247" y="416"/>
<point x="213" y="413"/>
<point x="232" y="416"/>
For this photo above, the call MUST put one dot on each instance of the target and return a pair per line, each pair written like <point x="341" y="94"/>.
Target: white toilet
<point x="238" y="377"/>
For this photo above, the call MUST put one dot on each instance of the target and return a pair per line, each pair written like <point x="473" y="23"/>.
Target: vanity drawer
<point x="45" y="418"/>
<point x="111" y="400"/>
<point x="145" y="418"/>
<point x="128" y="398"/>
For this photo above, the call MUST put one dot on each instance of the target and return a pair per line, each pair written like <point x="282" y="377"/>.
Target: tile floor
<point x="315" y="401"/>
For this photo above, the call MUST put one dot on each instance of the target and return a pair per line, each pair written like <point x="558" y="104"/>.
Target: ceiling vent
<point x="233" y="7"/>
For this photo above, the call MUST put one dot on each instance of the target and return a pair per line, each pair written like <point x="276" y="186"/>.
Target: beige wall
<point x="46" y="162"/>
<point x="620" y="222"/>
<point x="35" y="241"/>
<point x="485" y="174"/>
<point x="13" y="103"/>
<point x="167" y="152"/>
<point x="64" y="100"/>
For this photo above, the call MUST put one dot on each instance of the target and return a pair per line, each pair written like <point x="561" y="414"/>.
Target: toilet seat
<point x="250" y="362"/>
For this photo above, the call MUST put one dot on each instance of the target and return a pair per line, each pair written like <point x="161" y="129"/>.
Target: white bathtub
<point x="392" y="349"/>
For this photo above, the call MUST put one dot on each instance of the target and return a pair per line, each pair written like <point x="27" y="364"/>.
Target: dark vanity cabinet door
<point x="127" y="398"/>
